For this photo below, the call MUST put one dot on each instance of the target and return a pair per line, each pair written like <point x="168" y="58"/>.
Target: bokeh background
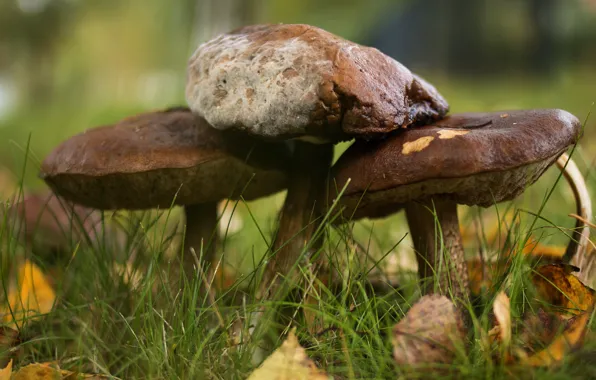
<point x="68" y="65"/>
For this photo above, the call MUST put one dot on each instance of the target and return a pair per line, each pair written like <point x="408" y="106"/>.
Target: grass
<point x="104" y="324"/>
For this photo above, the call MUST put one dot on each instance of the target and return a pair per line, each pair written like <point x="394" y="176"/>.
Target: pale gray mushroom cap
<point x="298" y="81"/>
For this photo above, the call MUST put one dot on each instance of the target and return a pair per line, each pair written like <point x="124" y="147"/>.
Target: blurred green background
<point x="68" y="65"/>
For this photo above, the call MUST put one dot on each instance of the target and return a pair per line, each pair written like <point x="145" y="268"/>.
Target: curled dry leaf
<point x="288" y="362"/>
<point x="30" y="296"/>
<point x="502" y="312"/>
<point x="431" y="332"/>
<point x="557" y="285"/>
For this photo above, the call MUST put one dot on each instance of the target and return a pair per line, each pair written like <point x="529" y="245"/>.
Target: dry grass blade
<point x="578" y="249"/>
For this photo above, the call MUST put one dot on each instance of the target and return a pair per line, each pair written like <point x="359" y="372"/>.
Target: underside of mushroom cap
<point x="298" y="81"/>
<point x="473" y="159"/>
<point x="158" y="158"/>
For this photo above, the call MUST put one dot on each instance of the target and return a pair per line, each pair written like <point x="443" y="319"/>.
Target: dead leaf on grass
<point x="557" y="285"/>
<point x="30" y="296"/>
<point x="570" y="340"/>
<point x="288" y="362"/>
<point x="44" y="371"/>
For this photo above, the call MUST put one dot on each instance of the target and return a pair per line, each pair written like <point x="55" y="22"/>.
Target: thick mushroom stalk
<point x="200" y="236"/>
<point x="435" y="232"/>
<point x="301" y="213"/>
<point x="469" y="159"/>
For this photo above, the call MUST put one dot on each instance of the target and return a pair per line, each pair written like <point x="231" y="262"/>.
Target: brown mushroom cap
<point x="471" y="158"/>
<point x="148" y="160"/>
<point x="298" y="81"/>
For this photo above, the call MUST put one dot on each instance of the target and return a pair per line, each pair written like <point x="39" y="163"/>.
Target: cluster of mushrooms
<point x="266" y="104"/>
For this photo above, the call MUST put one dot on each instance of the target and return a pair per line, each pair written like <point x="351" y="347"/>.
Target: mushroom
<point x="469" y="159"/>
<point x="293" y="81"/>
<point x="52" y="223"/>
<point x="165" y="158"/>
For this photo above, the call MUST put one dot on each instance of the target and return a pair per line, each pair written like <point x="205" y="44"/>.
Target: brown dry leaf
<point x="288" y="362"/>
<point x="6" y="372"/>
<point x="570" y="340"/>
<point x="556" y="284"/>
<point x="431" y="332"/>
<point x="31" y="296"/>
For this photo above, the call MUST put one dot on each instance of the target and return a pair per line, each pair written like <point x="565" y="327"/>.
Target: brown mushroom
<point x="159" y="159"/>
<point x="469" y="159"/>
<point x="47" y="221"/>
<point x="291" y="81"/>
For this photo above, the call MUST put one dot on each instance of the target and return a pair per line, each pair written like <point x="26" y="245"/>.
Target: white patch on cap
<point x="445" y="134"/>
<point x="416" y="145"/>
<point x="270" y="92"/>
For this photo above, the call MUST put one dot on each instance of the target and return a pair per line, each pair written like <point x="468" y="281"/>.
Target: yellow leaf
<point x="288" y="362"/>
<point x="571" y="339"/>
<point x="5" y="373"/>
<point x="32" y="295"/>
<point x="36" y="372"/>
<point x="556" y="284"/>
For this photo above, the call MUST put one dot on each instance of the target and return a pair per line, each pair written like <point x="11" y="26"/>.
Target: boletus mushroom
<point x="467" y="159"/>
<point x="52" y="224"/>
<point x="164" y="158"/>
<point x="293" y="81"/>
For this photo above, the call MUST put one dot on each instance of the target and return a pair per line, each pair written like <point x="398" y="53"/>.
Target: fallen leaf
<point x="570" y="340"/>
<point x="288" y="362"/>
<point x="31" y="296"/>
<point x="431" y="332"/>
<point x="502" y="312"/>
<point x="43" y="371"/>
<point x="556" y="284"/>
<point x="6" y="372"/>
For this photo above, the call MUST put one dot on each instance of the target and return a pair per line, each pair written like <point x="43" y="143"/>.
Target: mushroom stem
<point x="301" y="213"/>
<point x="449" y="269"/>
<point x="201" y="230"/>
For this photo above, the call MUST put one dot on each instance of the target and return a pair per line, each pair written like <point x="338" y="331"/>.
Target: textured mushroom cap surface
<point x="153" y="159"/>
<point x="472" y="158"/>
<point x="298" y="81"/>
